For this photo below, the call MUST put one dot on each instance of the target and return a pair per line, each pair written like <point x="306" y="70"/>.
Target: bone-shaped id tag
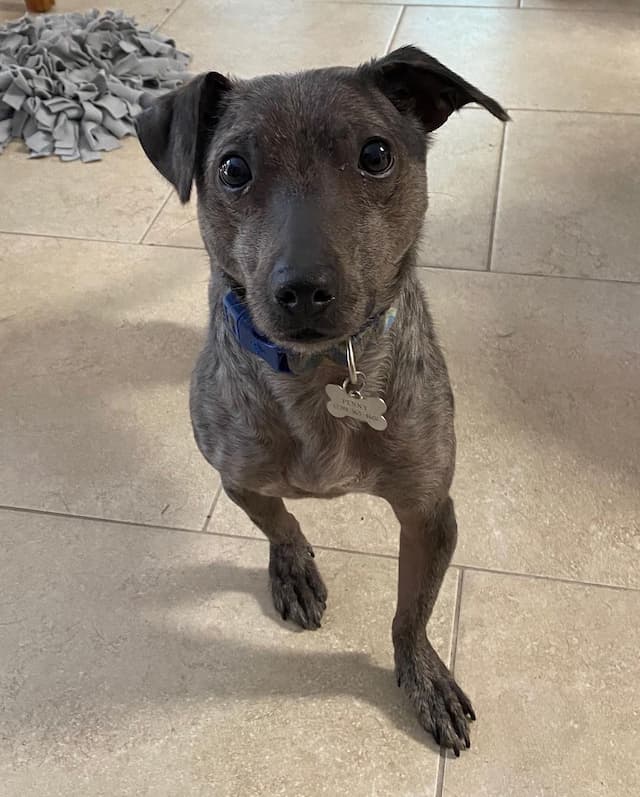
<point x="348" y="402"/>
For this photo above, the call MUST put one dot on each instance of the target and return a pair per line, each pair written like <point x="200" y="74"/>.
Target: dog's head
<point x="311" y="187"/>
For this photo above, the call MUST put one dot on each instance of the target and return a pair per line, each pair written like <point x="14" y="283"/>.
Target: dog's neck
<point x="283" y="360"/>
<point x="377" y="354"/>
<point x="229" y="296"/>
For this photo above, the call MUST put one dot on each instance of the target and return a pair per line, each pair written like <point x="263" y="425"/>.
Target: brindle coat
<point x="310" y="205"/>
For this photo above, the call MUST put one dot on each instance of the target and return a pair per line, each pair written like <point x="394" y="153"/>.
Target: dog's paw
<point x="442" y="707"/>
<point x="299" y="594"/>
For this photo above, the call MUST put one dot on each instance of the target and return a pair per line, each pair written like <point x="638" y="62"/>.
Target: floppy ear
<point x="175" y="129"/>
<point x="418" y="84"/>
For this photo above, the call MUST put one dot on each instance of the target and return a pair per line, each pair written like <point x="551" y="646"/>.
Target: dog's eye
<point x="234" y="171"/>
<point x="376" y="157"/>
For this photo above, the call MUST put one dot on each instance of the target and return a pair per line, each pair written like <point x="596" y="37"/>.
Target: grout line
<point x="581" y="11"/>
<point x="429" y="5"/>
<point x="568" y="111"/>
<point x="420" y="266"/>
<point x="25" y="510"/>
<point x="459" y="566"/>
<point x="496" y="199"/>
<point x="107" y="241"/>
<point x="168" y="16"/>
<point x="394" y="31"/>
<point x="176" y="246"/>
<point x="329" y="548"/>
<point x="520" y="7"/>
<point x="456" y="620"/>
<point x="527" y="274"/>
<point x="61" y="237"/>
<point x="452" y="666"/>
<point x="214" y="503"/>
<point x="540" y="577"/>
<point x="442" y="761"/>
<point x="490" y="7"/>
<point x="155" y="217"/>
<point x="424" y="266"/>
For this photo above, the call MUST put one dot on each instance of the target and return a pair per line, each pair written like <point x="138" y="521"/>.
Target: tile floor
<point x="139" y="653"/>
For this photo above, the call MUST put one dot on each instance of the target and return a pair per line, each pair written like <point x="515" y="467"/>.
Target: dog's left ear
<point x="418" y="84"/>
<point x="175" y="128"/>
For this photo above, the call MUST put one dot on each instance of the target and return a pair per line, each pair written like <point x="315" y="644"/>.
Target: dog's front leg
<point x="427" y="542"/>
<point x="299" y="594"/>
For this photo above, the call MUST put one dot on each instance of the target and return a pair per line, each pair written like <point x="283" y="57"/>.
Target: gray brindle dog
<point x="311" y="199"/>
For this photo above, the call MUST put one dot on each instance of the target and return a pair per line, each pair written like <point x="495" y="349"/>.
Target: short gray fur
<point x="311" y="213"/>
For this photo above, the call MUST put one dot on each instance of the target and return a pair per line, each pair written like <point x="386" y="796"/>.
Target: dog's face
<point x="311" y="187"/>
<point x="327" y="194"/>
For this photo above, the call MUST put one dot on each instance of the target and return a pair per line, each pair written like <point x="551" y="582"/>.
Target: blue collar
<point x="240" y="324"/>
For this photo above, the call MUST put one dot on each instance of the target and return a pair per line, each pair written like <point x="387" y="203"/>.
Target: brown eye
<point x="234" y="172"/>
<point x="376" y="157"/>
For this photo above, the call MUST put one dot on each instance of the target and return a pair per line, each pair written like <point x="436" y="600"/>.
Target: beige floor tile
<point x="96" y="345"/>
<point x="113" y="199"/>
<point x="535" y="59"/>
<point x="463" y="169"/>
<point x="583" y="5"/>
<point x="546" y="374"/>
<point x="146" y="12"/>
<point x="151" y="662"/>
<point x="497" y="3"/>
<point x="11" y="9"/>
<point x="254" y="37"/>
<point x="553" y="670"/>
<point x="570" y="196"/>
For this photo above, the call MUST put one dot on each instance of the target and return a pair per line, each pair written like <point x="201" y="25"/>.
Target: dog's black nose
<point x="303" y="295"/>
<point x="303" y="300"/>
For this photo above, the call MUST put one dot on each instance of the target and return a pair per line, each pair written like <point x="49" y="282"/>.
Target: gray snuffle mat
<point x="71" y="84"/>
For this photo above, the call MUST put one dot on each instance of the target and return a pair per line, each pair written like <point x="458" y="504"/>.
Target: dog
<point x="321" y="374"/>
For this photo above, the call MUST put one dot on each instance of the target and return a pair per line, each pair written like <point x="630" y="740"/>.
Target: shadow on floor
<point x="105" y="635"/>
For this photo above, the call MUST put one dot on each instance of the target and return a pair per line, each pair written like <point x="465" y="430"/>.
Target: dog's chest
<point x="329" y="471"/>
<point x="274" y="435"/>
<point x="298" y="480"/>
<point x="324" y="456"/>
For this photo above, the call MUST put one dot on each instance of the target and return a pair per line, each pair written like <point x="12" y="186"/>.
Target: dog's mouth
<point x="320" y="336"/>
<point x="307" y="335"/>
